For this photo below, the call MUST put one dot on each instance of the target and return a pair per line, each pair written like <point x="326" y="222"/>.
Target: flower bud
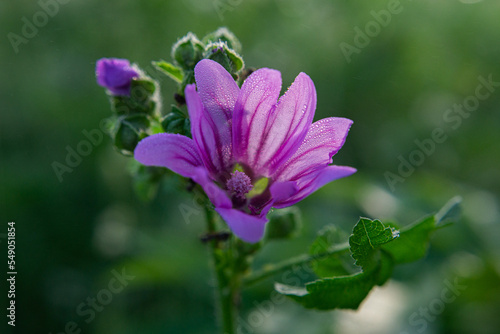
<point x="223" y="35"/>
<point x="142" y="98"/>
<point x="187" y="51"/>
<point x="116" y="75"/>
<point x="228" y="58"/>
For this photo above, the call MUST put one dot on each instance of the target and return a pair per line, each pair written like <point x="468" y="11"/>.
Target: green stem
<point x="272" y="269"/>
<point x="226" y="290"/>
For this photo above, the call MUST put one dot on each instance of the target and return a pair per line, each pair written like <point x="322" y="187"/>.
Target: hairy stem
<point x="226" y="291"/>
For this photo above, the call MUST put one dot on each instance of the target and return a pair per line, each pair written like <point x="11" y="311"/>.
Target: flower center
<point x="239" y="185"/>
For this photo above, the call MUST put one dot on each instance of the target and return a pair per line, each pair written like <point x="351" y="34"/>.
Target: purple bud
<point x="115" y="75"/>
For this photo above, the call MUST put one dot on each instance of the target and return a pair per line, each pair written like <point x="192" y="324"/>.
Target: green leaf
<point x="174" y="72"/>
<point x="345" y="292"/>
<point x="366" y="238"/>
<point x="450" y="211"/>
<point x="377" y="248"/>
<point x="413" y="241"/>
<point x="337" y="264"/>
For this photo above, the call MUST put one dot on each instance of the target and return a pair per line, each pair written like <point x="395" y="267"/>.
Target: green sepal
<point x="141" y="100"/>
<point x="227" y="57"/>
<point x="177" y="122"/>
<point x="172" y="71"/>
<point x="187" y="80"/>
<point x="223" y="35"/>
<point x="129" y="131"/>
<point x="187" y="51"/>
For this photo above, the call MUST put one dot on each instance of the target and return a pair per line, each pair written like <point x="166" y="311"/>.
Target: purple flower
<point x="249" y="129"/>
<point x="115" y="75"/>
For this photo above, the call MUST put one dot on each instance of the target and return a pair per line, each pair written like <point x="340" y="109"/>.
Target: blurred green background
<point x="71" y="235"/>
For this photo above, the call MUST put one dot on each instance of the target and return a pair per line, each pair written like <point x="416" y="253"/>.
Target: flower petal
<point x="179" y="154"/>
<point x="285" y="128"/>
<point x="212" y="137"/>
<point x="216" y="195"/>
<point x="258" y="97"/>
<point x="217" y="88"/>
<point x="115" y="74"/>
<point x="246" y="227"/>
<point x="176" y="152"/>
<point x="315" y="180"/>
<point x="210" y="110"/>
<point x="323" y="140"/>
<point x="280" y="192"/>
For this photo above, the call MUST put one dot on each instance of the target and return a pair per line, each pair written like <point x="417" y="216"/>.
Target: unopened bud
<point x="187" y="51"/>
<point x="223" y="35"/>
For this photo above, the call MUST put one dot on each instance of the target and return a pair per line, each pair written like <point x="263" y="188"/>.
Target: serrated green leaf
<point x="367" y="236"/>
<point x="333" y="265"/>
<point x="376" y="248"/>
<point x="345" y="292"/>
<point x="171" y="70"/>
<point x="413" y="241"/>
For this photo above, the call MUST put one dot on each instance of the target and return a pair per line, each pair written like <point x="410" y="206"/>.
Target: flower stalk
<point x="226" y="289"/>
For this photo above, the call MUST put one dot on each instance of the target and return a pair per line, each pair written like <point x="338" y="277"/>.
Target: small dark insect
<point x="219" y="236"/>
<point x="179" y="99"/>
